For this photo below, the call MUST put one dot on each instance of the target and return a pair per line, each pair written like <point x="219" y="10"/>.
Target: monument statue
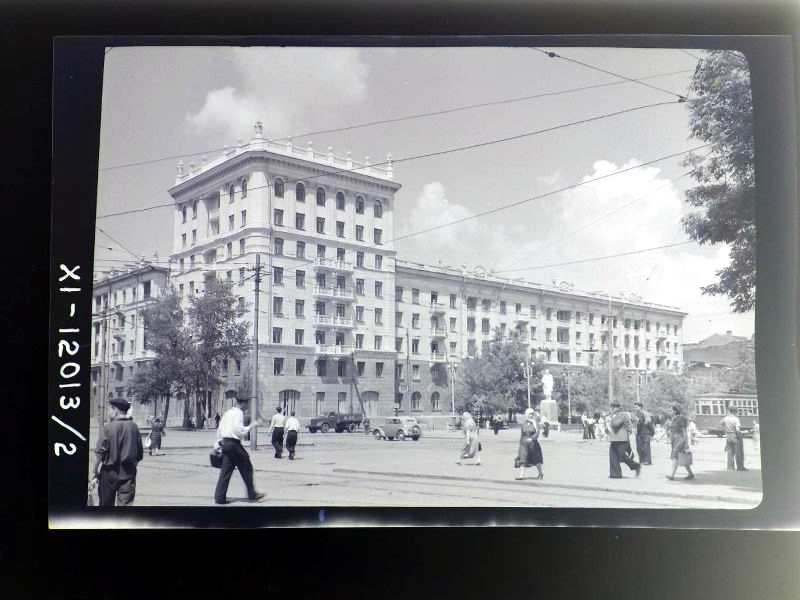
<point x="547" y="385"/>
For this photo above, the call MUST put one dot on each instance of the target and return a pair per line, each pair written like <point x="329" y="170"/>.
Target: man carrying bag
<point x="233" y="455"/>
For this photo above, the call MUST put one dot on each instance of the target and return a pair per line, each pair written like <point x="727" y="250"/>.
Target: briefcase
<point x="215" y="456"/>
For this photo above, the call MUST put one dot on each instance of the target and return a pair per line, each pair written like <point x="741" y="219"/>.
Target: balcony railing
<point x="118" y="331"/>
<point x="332" y="264"/>
<point x="437" y="307"/>
<point x="521" y="317"/>
<point x="438" y="332"/>
<point x="333" y="292"/>
<point x="563" y="343"/>
<point x="333" y="350"/>
<point x="661" y="333"/>
<point x="438" y="357"/>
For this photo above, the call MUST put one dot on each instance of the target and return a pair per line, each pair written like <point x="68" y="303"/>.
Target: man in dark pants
<point x="276" y="430"/>
<point x="292" y="429"/>
<point x="619" y="428"/>
<point x="734" y="440"/>
<point x="230" y="433"/>
<point x="118" y="450"/>
<point x="644" y="431"/>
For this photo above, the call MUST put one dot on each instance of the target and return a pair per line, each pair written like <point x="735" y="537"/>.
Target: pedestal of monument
<point x="549" y="410"/>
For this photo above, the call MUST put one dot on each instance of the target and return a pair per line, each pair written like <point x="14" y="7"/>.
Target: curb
<point x="568" y="486"/>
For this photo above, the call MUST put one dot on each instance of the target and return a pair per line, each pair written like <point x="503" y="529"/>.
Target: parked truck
<point x="337" y="421"/>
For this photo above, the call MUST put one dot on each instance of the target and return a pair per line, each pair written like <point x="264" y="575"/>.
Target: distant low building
<point x="707" y="358"/>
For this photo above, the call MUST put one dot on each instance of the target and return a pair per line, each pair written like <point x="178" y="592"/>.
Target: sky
<point x="164" y="104"/>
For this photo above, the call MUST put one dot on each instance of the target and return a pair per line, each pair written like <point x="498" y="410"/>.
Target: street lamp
<point x="527" y="368"/>
<point x="569" y="399"/>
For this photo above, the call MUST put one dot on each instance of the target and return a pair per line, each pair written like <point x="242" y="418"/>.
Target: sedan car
<point x="398" y="428"/>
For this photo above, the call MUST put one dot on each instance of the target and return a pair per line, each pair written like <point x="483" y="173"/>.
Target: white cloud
<point x="289" y="89"/>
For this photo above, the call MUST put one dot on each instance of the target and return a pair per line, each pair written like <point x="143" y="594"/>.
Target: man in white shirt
<point x="276" y="430"/>
<point x="230" y="432"/>
<point x="734" y="442"/>
<point x="292" y="430"/>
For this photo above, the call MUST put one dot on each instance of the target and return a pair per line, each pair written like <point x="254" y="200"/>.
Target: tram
<point x="710" y="408"/>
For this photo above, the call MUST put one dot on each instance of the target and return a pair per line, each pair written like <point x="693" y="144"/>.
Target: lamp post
<point x="452" y="368"/>
<point x="569" y="399"/>
<point x="527" y="368"/>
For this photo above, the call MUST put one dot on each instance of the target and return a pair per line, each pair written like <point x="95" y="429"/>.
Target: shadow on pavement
<point x="746" y="481"/>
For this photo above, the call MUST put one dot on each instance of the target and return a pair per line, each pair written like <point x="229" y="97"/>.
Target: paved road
<point x="357" y="470"/>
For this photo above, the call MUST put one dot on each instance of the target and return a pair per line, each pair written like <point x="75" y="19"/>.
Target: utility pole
<point x="408" y="368"/>
<point x="569" y="400"/>
<point x="610" y="354"/>
<point x="101" y="416"/>
<point x="452" y="369"/>
<point x="254" y="401"/>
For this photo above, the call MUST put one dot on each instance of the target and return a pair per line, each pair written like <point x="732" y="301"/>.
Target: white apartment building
<point x="117" y="331"/>
<point x="322" y="226"/>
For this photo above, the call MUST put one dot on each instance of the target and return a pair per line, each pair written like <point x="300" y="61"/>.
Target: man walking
<point x="230" y="432"/>
<point x="292" y="430"/>
<point x="734" y="441"/>
<point x="118" y="451"/>
<point x="276" y="430"/>
<point x="644" y="433"/>
<point x="619" y="429"/>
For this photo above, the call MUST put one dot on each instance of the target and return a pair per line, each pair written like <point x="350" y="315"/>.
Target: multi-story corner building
<point x="338" y="316"/>
<point x="118" y="334"/>
<point x="321" y="227"/>
<point x="445" y="315"/>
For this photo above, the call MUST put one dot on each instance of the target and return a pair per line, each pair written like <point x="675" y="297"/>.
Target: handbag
<point x="684" y="459"/>
<point x="148" y="442"/>
<point x="215" y="457"/>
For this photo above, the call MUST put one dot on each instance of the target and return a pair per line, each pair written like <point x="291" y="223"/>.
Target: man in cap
<point x="118" y="451"/>
<point x="230" y="432"/>
<point x="619" y="429"/>
<point x="644" y="431"/>
<point x="292" y="430"/>
<point x="276" y="431"/>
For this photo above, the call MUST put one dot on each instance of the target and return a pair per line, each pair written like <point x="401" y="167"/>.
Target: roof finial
<point x="180" y="168"/>
<point x="259" y="127"/>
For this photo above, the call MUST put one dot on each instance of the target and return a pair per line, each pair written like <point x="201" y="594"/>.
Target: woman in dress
<point x="530" y="452"/>
<point x="471" y="442"/>
<point x="679" y="440"/>
<point x="156" y="432"/>
<point x="600" y="427"/>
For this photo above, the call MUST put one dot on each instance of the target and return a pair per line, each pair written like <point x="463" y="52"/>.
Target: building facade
<point x="118" y="347"/>
<point x="343" y="324"/>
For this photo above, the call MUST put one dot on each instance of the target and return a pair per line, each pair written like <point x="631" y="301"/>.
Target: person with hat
<point x="619" y="450"/>
<point x="471" y="448"/>
<point x="117" y="453"/>
<point x="276" y="430"/>
<point x="529" y="453"/>
<point x="230" y="432"/>
<point x="644" y="432"/>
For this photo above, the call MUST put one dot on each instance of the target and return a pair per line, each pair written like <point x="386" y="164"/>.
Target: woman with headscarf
<point x="530" y="452"/>
<point x="156" y="432"/>
<point x="471" y="447"/>
<point x="679" y="440"/>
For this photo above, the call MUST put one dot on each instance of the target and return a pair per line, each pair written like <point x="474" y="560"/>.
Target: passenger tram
<point x="709" y="410"/>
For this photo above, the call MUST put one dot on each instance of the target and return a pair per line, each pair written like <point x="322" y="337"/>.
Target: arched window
<point x="287" y="399"/>
<point x="378" y="208"/>
<point x="230" y="194"/>
<point x="359" y="205"/>
<point x="320" y="196"/>
<point x="279" y="188"/>
<point x="435" y="401"/>
<point x="244" y="188"/>
<point x="300" y="192"/>
<point x="339" y="201"/>
<point x="416" y="400"/>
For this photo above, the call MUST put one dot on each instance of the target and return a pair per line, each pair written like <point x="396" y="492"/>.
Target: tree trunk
<point x="186" y="405"/>
<point x="166" y="409"/>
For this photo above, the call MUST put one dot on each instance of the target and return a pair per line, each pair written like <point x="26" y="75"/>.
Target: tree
<point x="495" y="380"/>
<point x="664" y="389"/>
<point x="720" y="113"/>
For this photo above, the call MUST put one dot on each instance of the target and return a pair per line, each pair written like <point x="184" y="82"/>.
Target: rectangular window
<point x="277" y="368"/>
<point x="471" y="324"/>
<point x="277" y="275"/>
<point x="378" y="316"/>
<point x="341" y="368"/>
<point x="486" y="305"/>
<point x="591" y="318"/>
<point x="415" y="346"/>
<point x="340" y="228"/>
<point x="300" y="278"/>
<point x="180" y="289"/>
<point x="378" y="342"/>
<point x="415" y="320"/>
<point x="452" y="324"/>
<point x="194" y="236"/>
<point x="398" y="319"/>
<point x="453" y="350"/>
<point x="238" y="367"/>
<point x="320" y="403"/>
<point x="502" y="307"/>
<point x="415" y="372"/>
<point x="301" y="250"/>
<point x="277" y="335"/>
<point x="378" y="289"/>
<point x="547" y="333"/>
<point x="183" y="214"/>
<point x="278" y="246"/>
<point x="339" y="201"/>
<point x="415" y="296"/>
<point x="321" y="251"/>
<point x="319" y="308"/>
<point x="181" y="263"/>
<point x="299" y="221"/>
<point x="452" y="300"/>
<point x="299" y="366"/>
<point x="319" y="338"/>
<point x="279" y="217"/>
<point x="359" y="259"/>
<point x="231" y="225"/>
<point x="378" y="236"/>
<point x="299" y="308"/>
<point x="360" y="314"/>
<point x="360" y="233"/>
<point x="146" y="289"/>
<point x="298" y="337"/>
<point x="241" y="276"/>
<point x="398" y="370"/>
<point x="484" y="325"/>
<point x="359" y="341"/>
<point x="398" y="344"/>
<point x="398" y="293"/>
<point x="360" y="287"/>
<point x="379" y="369"/>
<point x="360" y="368"/>
<point x="378" y="261"/>
<point x="320" y="225"/>
<point x="277" y="306"/>
<point x="183" y="240"/>
<point x="340" y="254"/>
<point x="244" y="218"/>
<point x="322" y="368"/>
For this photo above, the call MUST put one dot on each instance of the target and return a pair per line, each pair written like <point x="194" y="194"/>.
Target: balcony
<point x="563" y="322"/>
<point x="118" y="332"/>
<point x="332" y="264"/>
<point x="332" y="292"/>
<point x="437" y="308"/>
<point x="521" y="318"/>
<point x="564" y="344"/>
<point x="438" y="332"/>
<point x="661" y="334"/>
<point x="333" y="350"/>
<point x="438" y="357"/>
